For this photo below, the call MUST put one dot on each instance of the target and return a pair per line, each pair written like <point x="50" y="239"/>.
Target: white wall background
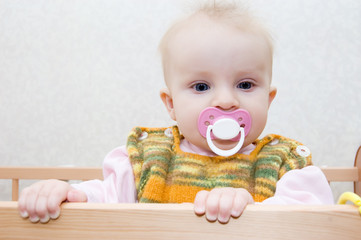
<point x="76" y="76"/>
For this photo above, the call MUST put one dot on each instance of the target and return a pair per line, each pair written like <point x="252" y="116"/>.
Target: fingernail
<point x="223" y="220"/>
<point x="45" y="219"/>
<point x="24" y="214"/>
<point x="211" y="218"/>
<point x="34" y="219"/>
<point x="199" y="210"/>
<point x="235" y="213"/>
<point x="54" y="215"/>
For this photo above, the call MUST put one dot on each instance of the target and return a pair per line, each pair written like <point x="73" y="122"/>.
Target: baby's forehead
<point x="193" y="26"/>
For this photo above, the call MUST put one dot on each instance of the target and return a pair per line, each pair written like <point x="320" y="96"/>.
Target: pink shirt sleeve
<point x="118" y="185"/>
<point x="303" y="186"/>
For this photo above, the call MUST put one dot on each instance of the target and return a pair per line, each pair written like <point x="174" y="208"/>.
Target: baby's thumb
<point x="77" y="196"/>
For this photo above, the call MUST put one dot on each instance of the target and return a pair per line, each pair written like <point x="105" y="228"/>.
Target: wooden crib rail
<point x="40" y="173"/>
<point x="178" y="221"/>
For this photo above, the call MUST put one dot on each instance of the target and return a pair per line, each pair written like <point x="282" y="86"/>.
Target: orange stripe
<point x="180" y="194"/>
<point x="154" y="190"/>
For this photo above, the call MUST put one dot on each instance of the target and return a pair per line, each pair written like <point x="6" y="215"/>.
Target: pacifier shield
<point x="225" y="124"/>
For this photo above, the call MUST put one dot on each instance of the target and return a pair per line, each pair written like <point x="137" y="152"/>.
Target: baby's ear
<point x="167" y="99"/>
<point x="272" y="95"/>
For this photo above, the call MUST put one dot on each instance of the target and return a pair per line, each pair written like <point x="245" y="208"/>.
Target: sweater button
<point x="143" y="136"/>
<point x="303" y="151"/>
<point x="274" y="142"/>
<point x="168" y="132"/>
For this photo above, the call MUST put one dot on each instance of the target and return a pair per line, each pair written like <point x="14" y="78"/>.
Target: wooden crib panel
<point x="341" y="174"/>
<point x="178" y="221"/>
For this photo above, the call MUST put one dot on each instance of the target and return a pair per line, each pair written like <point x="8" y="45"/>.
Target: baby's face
<point x="213" y="65"/>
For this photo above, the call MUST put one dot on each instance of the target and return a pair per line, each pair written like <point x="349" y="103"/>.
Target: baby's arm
<point x="41" y="201"/>
<point x="222" y="203"/>
<point x="118" y="185"/>
<point x="302" y="186"/>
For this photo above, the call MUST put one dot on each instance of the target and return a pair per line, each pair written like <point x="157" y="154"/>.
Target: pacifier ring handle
<point x="224" y="153"/>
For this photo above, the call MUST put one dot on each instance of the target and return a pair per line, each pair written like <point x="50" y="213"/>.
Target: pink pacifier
<point x="214" y="123"/>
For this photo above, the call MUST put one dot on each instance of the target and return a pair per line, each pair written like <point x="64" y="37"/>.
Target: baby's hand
<point x="222" y="203"/>
<point x="41" y="201"/>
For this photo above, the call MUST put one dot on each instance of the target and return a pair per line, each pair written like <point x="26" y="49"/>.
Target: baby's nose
<point x="226" y="100"/>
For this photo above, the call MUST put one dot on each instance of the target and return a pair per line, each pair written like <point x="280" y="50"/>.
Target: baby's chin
<point x="224" y="144"/>
<point x="221" y="144"/>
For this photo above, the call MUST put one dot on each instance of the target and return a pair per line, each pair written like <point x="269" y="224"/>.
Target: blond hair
<point x="228" y="12"/>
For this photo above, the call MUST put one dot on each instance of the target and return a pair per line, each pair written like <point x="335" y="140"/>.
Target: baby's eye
<point x="245" y="85"/>
<point x="200" y="87"/>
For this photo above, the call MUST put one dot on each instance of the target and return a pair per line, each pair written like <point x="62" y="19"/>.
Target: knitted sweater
<point x="165" y="174"/>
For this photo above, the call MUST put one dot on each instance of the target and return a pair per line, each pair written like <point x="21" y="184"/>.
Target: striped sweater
<point x="165" y="174"/>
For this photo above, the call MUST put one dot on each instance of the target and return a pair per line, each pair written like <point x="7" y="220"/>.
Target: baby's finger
<point x="41" y="210"/>
<point x="57" y="195"/>
<point x="200" y="202"/>
<point x="22" y="204"/>
<point x="75" y="195"/>
<point x="212" y="204"/>
<point x="225" y="206"/>
<point x="240" y="201"/>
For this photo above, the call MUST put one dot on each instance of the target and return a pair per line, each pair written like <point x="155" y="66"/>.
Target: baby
<point x="217" y="66"/>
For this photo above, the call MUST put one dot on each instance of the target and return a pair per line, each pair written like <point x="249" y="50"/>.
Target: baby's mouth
<point x="223" y="127"/>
